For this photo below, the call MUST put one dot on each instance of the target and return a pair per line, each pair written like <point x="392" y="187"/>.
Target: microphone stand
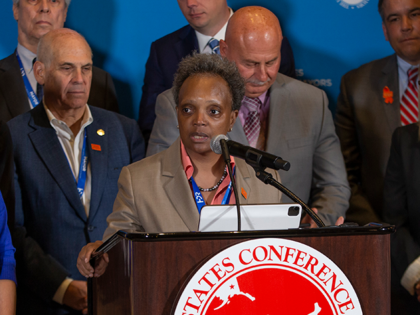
<point x="226" y="157"/>
<point x="268" y="179"/>
<point x="254" y="159"/>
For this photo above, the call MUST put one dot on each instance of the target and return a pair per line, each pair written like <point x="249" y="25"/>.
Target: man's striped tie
<point x="409" y="102"/>
<point x="214" y="45"/>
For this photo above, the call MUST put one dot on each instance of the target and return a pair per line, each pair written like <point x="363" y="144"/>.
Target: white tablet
<point x="254" y="217"/>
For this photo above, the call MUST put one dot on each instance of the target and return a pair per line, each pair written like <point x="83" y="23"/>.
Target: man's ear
<point x="16" y="12"/>
<point x="223" y="48"/>
<point x="385" y="31"/>
<point x="39" y="72"/>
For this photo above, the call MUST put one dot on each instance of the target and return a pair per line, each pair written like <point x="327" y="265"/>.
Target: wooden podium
<point x="147" y="271"/>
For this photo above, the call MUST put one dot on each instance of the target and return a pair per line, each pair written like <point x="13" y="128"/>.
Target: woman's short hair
<point x="213" y="65"/>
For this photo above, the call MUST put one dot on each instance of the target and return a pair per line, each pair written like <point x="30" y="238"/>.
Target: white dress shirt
<point x="403" y="67"/>
<point x="203" y="40"/>
<point x="27" y="57"/>
<point x="72" y="147"/>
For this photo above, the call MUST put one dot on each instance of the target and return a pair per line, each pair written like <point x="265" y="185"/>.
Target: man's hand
<point x="417" y="290"/>
<point x="76" y="295"/>
<point x="85" y="267"/>
<point x="308" y="219"/>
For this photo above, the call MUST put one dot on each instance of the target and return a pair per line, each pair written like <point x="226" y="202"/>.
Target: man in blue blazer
<point x="68" y="157"/>
<point x="207" y="20"/>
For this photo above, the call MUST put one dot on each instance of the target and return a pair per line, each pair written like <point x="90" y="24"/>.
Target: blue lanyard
<point x="198" y="197"/>
<point x="82" y="169"/>
<point x="29" y="90"/>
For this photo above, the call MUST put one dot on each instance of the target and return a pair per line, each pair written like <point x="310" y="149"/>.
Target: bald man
<point x="281" y="115"/>
<point x="19" y="90"/>
<point x="207" y="21"/>
<point x="68" y="157"/>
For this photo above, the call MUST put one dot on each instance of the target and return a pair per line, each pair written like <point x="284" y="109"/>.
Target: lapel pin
<point x="96" y="147"/>
<point x="244" y="193"/>
<point x="388" y="95"/>
<point x="100" y="132"/>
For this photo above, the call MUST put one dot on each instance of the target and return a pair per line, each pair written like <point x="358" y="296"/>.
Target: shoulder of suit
<point x="7" y="62"/>
<point x="172" y="38"/>
<point x="370" y="67"/>
<point x="110" y="116"/>
<point x="294" y="85"/>
<point x="409" y="131"/>
<point x="150" y="165"/>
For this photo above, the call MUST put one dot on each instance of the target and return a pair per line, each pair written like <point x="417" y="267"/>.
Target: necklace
<point x="215" y="186"/>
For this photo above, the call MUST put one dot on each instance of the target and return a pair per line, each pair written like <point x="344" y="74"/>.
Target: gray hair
<point x="213" y="65"/>
<point x="17" y="2"/>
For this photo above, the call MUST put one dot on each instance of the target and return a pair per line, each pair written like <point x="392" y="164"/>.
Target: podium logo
<point x="268" y="276"/>
<point x="352" y="4"/>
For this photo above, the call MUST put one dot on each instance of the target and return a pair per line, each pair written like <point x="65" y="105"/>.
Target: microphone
<point x="222" y="147"/>
<point x="252" y="156"/>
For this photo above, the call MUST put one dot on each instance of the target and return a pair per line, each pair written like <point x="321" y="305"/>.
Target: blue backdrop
<point x="328" y="37"/>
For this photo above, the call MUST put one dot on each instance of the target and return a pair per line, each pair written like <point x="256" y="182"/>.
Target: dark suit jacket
<point x="51" y="224"/>
<point x="364" y="124"/>
<point x="14" y="100"/>
<point x="402" y="208"/>
<point x="6" y="173"/>
<point x="165" y="55"/>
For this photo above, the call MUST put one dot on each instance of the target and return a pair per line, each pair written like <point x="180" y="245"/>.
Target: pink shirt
<point x="263" y="111"/>
<point x="220" y="193"/>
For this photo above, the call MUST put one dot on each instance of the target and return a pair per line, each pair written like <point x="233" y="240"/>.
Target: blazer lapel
<point x="279" y="104"/>
<point x="48" y="147"/>
<point x="390" y="79"/>
<point x="13" y="88"/>
<point x="242" y="181"/>
<point x="187" y="43"/>
<point x="237" y="134"/>
<point x="177" y="187"/>
<point x="98" y="158"/>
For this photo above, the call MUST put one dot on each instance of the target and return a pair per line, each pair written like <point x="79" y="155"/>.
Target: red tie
<point x="409" y="102"/>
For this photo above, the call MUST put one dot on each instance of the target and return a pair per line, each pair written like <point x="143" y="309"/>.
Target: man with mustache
<point x="375" y="99"/>
<point x="19" y="90"/>
<point x="68" y="157"/>
<point x="207" y="26"/>
<point x="281" y="115"/>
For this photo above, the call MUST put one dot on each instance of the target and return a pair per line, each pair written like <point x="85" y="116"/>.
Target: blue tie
<point x="214" y="45"/>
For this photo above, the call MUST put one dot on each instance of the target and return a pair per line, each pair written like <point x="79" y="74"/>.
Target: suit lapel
<point x="187" y="43"/>
<point x="98" y="160"/>
<point x="237" y="134"/>
<point x="242" y="181"/>
<point x="13" y="88"/>
<point x="48" y="147"/>
<point x="390" y="79"/>
<point x="279" y="104"/>
<point x="177" y="187"/>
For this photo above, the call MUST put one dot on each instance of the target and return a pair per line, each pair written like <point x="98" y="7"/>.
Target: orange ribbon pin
<point x="388" y="95"/>
<point x="244" y="193"/>
<point x="96" y="147"/>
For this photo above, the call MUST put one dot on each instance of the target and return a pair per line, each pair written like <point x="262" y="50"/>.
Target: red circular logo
<point x="268" y="277"/>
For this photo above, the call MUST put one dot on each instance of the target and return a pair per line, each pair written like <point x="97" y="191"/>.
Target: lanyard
<point x="29" y="90"/>
<point x="198" y="197"/>
<point x="82" y="169"/>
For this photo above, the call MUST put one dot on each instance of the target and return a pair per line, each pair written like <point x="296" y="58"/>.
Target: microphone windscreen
<point x="215" y="143"/>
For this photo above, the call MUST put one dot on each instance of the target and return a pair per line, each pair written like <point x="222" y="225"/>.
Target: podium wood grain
<point x="145" y="277"/>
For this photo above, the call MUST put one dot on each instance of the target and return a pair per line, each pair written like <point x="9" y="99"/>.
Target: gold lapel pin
<point x="101" y="132"/>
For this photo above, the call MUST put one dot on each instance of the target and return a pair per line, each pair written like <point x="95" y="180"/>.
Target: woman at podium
<point x="165" y="192"/>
